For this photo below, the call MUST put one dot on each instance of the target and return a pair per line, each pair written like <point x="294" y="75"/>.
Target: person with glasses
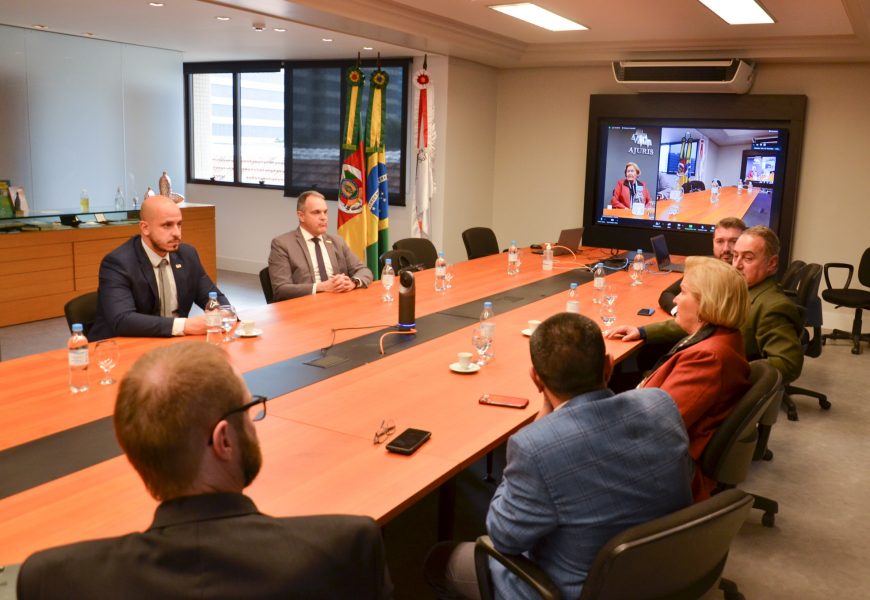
<point x="184" y="418"/>
<point x="593" y="464"/>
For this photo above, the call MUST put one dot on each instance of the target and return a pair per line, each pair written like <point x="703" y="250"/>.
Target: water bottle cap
<point x="573" y="286"/>
<point x="388" y="261"/>
<point x="487" y="304"/>
<point x="441" y="254"/>
<point x="77" y="328"/>
<point x="640" y="251"/>
<point x="599" y="265"/>
<point x="212" y="295"/>
<point x="513" y="242"/>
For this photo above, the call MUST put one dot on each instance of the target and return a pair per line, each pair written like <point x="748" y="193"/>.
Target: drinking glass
<point x="107" y="355"/>
<point x="481" y="340"/>
<point x="228" y="321"/>
<point x="607" y="312"/>
<point x="387" y="281"/>
<point x="448" y="277"/>
<point x="609" y="295"/>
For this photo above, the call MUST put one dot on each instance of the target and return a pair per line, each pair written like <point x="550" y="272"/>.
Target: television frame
<point x="783" y="112"/>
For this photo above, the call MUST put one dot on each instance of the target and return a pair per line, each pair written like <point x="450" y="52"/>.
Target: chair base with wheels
<point x="856" y="336"/>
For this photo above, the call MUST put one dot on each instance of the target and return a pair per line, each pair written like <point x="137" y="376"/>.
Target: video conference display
<point x="687" y="178"/>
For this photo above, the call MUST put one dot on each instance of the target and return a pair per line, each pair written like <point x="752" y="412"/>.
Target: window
<point x="271" y="124"/>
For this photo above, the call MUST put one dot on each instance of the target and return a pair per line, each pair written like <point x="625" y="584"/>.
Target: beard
<point x="252" y="457"/>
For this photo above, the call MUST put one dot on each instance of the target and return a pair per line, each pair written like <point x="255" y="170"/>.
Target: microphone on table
<point x="407" y="301"/>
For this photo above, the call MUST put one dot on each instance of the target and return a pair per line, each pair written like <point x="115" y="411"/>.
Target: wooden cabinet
<point x="40" y="271"/>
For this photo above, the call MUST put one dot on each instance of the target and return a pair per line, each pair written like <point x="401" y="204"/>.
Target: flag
<point x="377" y="224"/>
<point x="424" y="187"/>
<point x="352" y="185"/>
<point x="685" y="158"/>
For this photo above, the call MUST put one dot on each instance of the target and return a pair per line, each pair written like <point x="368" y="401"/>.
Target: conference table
<point x="695" y="207"/>
<point x="317" y="445"/>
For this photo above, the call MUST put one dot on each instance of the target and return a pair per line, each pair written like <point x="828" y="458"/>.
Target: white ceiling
<point x="805" y="30"/>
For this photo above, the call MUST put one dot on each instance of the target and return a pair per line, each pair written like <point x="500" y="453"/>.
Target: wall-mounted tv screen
<point x="678" y="163"/>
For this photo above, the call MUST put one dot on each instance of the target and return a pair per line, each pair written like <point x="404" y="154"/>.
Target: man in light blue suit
<point x="593" y="464"/>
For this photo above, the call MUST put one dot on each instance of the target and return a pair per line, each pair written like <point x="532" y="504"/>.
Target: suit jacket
<point x="666" y="298"/>
<point x="771" y="331"/>
<point x="706" y="374"/>
<point x="596" y="466"/>
<point x="218" y="546"/>
<point x="127" y="300"/>
<point x="622" y="195"/>
<point x="291" y="267"/>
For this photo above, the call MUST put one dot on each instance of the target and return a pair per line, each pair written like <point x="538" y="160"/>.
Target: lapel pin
<point x="177" y="265"/>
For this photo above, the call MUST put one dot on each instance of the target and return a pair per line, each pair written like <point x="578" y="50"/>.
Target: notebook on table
<point x="663" y="257"/>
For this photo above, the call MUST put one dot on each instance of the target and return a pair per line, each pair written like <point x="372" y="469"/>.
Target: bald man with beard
<point x="131" y="299"/>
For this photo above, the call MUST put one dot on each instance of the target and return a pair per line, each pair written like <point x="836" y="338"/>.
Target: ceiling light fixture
<point x="534" y="14"/>
<point x="367" y="48"/>
<point x="222" y="18"/>
<point x="739" y="12"/>
<point x="259" y="26"/>
<point x="326" y="39"/>
<point x="38" y="26"/>
<point x="280" y="29"/>
<point x="155" y="4"/>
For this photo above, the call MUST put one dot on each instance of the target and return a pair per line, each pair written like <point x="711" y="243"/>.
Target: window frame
<point x="236" y="68"/>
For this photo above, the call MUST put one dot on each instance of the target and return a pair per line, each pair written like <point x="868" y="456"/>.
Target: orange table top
<point x="317" y="439"/>
<point x="695" y="207"/>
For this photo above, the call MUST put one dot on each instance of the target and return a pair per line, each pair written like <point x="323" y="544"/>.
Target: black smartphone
<point x="646" y="312"/>
<point x="509" y="401"/>
<point x="408" y="441"/>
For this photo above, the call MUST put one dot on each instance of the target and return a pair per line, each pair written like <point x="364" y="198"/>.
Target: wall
<point x="541" y="152"/>
<point x="82" y="113"/>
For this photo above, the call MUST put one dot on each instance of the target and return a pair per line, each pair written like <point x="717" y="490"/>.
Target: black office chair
<point x="82" y="309"/>
<point x="479" y="242"/>
<point x="266" y="284"/>
<point x="680" y="555"/>
<point x="806" y="296"/>
<point x="730" y="451"/>
<point x="791" y="277"/>
<point x="402" y="259"/>
<point x="423" y="250"/>
<point x="850" y="298"/>
<point x="693" y="186"/>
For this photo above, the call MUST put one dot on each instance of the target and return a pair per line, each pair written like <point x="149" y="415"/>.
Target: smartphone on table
<point x="508" y="401"/>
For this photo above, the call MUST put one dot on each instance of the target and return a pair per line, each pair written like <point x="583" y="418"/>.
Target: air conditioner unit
<point x="729" y="76"/>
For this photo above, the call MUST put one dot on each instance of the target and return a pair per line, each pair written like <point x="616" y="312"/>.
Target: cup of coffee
<point x="248" y="327"/>
<point x="464" y="360"/>
<point x="533" y="324"/>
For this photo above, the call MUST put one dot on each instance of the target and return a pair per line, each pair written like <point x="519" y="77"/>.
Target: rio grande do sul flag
<point x="352" y="183"/>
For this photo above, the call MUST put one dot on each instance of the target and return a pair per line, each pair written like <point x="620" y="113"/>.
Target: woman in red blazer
<point x="706" y="373"/>
<point x="625" y="188"/>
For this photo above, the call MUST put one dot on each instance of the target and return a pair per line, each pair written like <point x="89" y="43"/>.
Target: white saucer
<point x="527" y="332"/>
<point x="241" y="333"/>
<point x="472" y="368"/>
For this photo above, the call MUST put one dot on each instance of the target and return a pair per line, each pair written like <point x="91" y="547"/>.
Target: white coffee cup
<point x="533" y="324"/>
<point x="248" y="327"/>
<point x="464" y="360"/>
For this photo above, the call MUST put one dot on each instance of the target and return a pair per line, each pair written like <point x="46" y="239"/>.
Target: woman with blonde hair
<point x="706" y="373"/>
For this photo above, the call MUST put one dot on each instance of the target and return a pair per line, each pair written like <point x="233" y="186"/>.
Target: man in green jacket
<point x="772" y="330"/>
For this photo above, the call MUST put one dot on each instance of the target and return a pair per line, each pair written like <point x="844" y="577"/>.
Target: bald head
<point x="160" y="224"/>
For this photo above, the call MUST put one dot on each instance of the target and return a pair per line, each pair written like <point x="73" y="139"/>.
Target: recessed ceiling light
<point x="155" y="4"/>
<point x="367" y="48"/>
<point x="739" y="12"/>
<point x="326" y="39"/>
<point x="38" y="26"/>
<point x="280" y="29"/>
<point x="222" y="18"/>
<point x="534" y="14"/>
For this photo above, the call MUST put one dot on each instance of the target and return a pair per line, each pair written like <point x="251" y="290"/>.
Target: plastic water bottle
<point x="78" y="360"/>
<point x="714" y="192"/>
<point x="440" y="273"/>
<point x="750" y="185"/>
<point x="212" y="311"/>
<point x="388" y="278"/>
<point x="573" y="303"/>
<point x="638" y="207"/>
<point x="547" y="265"/>
<point x="120" y="204"/>
<point x="598" y="275"/>
<point x="637" y="268"/>
<point x="488" y="326"/>
<point x="513" y="259"/>
<point x="739" y="186"/>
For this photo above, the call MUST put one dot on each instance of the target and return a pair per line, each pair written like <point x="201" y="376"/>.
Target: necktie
<point x="318" y="253"/>
<point x="165" y="288"/>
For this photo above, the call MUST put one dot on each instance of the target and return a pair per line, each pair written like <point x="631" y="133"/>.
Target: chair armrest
<point x="519" y="565"/>
<point x="846" y="266"/>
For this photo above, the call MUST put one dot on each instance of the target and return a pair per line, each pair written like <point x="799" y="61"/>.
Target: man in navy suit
<point x="149" y="283"/>
<point x="183" y="417"/>
<point x="592" y="465"/>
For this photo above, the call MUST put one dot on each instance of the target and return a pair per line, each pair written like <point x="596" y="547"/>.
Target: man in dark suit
<point x="183" y="417"/>
<point x="593" y="464"/>
<point x="149" y="283"/>
<point x="309" y="260"/>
